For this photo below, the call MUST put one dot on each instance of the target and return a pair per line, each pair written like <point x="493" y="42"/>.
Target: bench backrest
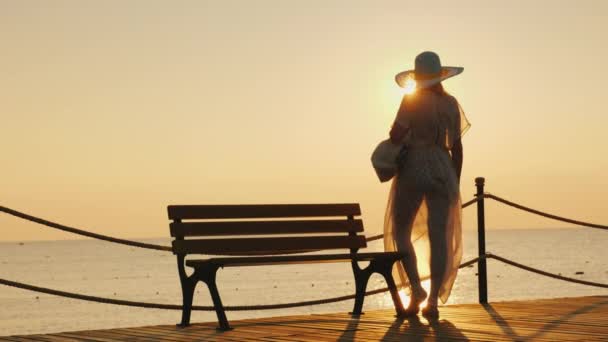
<point x="265" y="229"/>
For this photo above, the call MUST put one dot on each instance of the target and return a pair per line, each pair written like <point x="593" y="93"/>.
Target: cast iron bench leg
<point x="188" y="285"/>
<point x="207" y="275"/>
<point x="385" y="268"/>
<point x="361" y="278"/>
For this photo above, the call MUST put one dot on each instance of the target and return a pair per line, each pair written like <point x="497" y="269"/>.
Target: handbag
<point x="387" y="159"/>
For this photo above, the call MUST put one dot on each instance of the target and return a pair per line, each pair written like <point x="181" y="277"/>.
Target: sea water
<point x="108" y="270"/>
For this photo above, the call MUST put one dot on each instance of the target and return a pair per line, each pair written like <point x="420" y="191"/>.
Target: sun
<point x="409" y="87"/>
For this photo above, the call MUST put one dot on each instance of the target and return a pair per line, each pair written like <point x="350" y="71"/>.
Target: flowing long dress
<point x="424" y="203"/>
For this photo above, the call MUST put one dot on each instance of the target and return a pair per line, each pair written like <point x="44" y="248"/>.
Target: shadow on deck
<point x="563" y="319"/>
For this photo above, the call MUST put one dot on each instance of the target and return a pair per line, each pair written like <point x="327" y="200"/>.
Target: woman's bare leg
<point x="404" y="213"/>
<point x="437" y="220"/>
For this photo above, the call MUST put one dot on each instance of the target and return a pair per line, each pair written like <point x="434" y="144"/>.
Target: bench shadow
<point x="547" y="327"/>
<point x="350" y="331"/>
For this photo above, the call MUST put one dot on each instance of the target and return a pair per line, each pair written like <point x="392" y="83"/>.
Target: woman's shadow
<point x="413" y="329"/>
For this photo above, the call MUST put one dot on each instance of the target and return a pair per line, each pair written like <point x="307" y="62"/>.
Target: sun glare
<point x="426" y="284"/>
<point x="410" y="86"/>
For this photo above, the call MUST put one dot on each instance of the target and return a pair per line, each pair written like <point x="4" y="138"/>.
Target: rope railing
<point x="196" y="307"/>
<point x="131" y="243"/>
<point x="547" y="215"/>
<point x="273" y="306"/>
<point x="541" y="272"/>
<point x="82" y="231"/>
<point x="86" y="233"/>
<point x="466" y="204"/>
<point x="481" y="260"/>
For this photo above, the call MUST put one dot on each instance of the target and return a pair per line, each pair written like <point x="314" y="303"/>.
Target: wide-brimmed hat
<point x="427" y="72"/>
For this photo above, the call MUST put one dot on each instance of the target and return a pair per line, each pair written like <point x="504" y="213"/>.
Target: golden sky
<point x="111" y="110"/>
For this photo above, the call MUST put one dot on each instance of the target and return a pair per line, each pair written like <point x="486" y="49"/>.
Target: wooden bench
<point x="244" y="233"/>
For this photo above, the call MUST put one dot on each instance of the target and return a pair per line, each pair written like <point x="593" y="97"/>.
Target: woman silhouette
<point x="423" y="217"/>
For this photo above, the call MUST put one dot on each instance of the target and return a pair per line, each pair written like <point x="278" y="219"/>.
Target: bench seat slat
<point x="265" y="227"/>
<point x="294" y="259"/>
<point x="248" y="246"/>
<point x="186" y="212"/>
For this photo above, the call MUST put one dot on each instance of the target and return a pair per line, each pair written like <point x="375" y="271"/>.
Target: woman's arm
<point x="457" y="157"/>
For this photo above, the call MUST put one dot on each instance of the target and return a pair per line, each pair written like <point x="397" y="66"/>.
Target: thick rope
<point x="196" y="307"/>
<point x="547" y="215"/>
<point x="466" y="204"/>
<point x="272" y="306"/>
<point x="82" y="232"/>
<point x="541" y="272"/>
<point x="123" y="241"/>
<point x="369" y="239"/>
<point x="374" y="237"/>
<point x="104" y="237"/>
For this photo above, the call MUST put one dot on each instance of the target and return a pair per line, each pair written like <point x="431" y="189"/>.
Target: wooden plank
<point x="295" y="259"/>
<point x="59" y="338"/>
<point x="186" y="334"/>
<point x="241" y="211"/>
<point x="131" y="334"/>
<point x="570" y="319"/>
<point x="48" y="338"/>
<point x="247" y="246"/>
<point x="122" y="334"/>
<point x="264" y="227"/>
<point x="82" y="336"/>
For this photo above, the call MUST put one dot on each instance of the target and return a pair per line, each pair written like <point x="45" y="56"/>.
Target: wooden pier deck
<point x="564" y="319"/>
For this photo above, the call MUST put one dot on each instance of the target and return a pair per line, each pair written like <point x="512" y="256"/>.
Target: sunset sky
<point x="112" y="110"/>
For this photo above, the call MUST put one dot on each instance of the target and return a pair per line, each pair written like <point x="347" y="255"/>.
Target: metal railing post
<point x="481" y="242"/>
